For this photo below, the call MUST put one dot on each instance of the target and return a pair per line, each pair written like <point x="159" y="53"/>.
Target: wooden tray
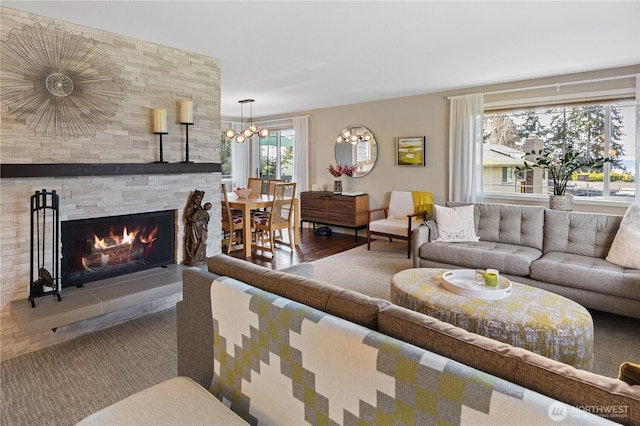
<point x="463" y="282"/>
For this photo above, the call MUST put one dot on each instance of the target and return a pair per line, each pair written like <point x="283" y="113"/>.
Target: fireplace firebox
<point x="104" y="247"/>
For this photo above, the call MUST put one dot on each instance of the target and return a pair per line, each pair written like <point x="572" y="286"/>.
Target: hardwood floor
<point x="312" y="247"/>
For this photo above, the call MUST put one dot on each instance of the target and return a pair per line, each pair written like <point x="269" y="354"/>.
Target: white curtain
<point x="301" y="153"/>
<point x="465" y="148"/>
<point x="240" y="156"/>
<point x="637" y="150"/>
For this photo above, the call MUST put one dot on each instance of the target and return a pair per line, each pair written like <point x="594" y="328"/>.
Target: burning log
<point x="111" y="256"/>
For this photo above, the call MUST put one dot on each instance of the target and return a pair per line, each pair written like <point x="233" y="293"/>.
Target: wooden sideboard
<point x="327" y="208"/>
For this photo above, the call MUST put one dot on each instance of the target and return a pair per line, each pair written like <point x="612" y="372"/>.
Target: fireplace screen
<point x="93" y="249"/>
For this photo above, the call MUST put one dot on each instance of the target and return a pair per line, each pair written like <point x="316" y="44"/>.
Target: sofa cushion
<point x="177" y="401"/>
<point x="401" y="205"/>
<point x="586" y="272"/>
<point x="455" y="224"/>
<point x="624" y="249"/>
<point x="348" y="304"/>
<point x="586" y="234"/>
<point x="507" y="258"/>
<point x="510" y="224"/>
<point x="394" y="226"/>
<point x="629" y="372"/>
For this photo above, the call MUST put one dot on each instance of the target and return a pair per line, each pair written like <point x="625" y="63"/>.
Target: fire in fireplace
<point x="98" y="248"/>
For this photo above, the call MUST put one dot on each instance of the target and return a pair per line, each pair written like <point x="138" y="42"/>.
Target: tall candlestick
<point x="186" y="112"/>
<point x="160" y="121"/>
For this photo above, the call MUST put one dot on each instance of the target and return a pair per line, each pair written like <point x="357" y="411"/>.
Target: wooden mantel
<point x="103" y="169"/>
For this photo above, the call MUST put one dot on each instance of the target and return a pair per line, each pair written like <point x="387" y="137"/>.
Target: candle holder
<point x="186" y="147"/>
<point x="186" y="118"/>
<point x="161" y="157"/>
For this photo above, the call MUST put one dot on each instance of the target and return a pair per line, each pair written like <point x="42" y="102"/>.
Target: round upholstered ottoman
<point x="530" y="318"/>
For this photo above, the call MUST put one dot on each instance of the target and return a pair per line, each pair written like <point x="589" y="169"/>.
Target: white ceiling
<point x="299" y="55"/>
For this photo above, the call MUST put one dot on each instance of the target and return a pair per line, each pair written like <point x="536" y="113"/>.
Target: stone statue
<point x="196" y="230"/>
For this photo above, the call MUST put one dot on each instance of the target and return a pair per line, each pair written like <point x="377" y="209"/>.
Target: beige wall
<point x="428" y="115"/>
<point x="411" y="116"/>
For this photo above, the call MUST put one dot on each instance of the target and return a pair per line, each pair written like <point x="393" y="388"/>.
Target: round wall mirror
<point x="357" y="145"/>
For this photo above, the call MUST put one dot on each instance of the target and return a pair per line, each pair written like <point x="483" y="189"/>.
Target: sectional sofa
<point x="210" y="329"/>
<point x="258" y="346"/>
<point x="559" y="251"/>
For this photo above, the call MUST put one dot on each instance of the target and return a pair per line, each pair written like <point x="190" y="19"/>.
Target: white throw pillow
<point x="624" y="250"/>
<point x="455" y="224"/>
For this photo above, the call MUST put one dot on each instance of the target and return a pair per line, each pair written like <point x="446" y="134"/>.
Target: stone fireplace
<point x="112" y="173"/>
<point x="88" y="197"/>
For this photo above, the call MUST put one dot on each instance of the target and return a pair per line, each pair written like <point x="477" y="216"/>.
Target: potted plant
<point x="339" y="170"/>
<point x="561" y="165"/>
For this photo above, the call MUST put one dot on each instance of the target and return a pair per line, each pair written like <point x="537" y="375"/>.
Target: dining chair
<point x="231" y="225"/>
<point x="271" y="185"/>
<point x="276" y="218"/>
<point x="255" y="184"/>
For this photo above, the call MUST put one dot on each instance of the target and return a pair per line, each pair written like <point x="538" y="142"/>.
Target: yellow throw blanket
<point x="630" y="373"/>
<point x="423" y="202"/>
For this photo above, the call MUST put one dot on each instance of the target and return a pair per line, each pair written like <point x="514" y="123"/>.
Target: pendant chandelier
<point x="353" y="135"/>
<point x="249" y="131"/>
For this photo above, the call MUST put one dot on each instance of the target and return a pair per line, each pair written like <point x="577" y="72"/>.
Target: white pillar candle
<point x="186" y="112"/>
<point x="159" y="121"/>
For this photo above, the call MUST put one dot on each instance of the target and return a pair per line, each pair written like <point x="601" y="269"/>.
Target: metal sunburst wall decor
<point x="61" y="84"/>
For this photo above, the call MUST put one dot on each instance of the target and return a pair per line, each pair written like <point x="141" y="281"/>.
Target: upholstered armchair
<point x="406" y="211"/>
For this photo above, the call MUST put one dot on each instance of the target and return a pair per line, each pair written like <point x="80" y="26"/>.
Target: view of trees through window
<point x="225" y="156"/>
<point x="596" y="130"/>
<point x="276" y="155"/>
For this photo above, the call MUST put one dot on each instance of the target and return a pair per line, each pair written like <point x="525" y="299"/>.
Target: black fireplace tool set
<point x="45" y="221"/>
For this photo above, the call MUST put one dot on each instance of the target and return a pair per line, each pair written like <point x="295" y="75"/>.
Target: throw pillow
<point x="629" y="373"/>
<point x="624" y="249"/>
<point x="456" y="224"/>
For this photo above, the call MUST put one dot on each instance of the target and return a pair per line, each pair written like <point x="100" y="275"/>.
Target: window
<point x="274" y="160"/>
<point x="225" y="156"/>
<point x="507" y="174"/>
<point x="594" y="128"/>
<point x="276" y="155"/>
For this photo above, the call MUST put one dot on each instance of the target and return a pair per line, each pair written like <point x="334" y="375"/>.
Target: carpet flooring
<point x="616" y="338"/>
<point x="64" y="383"/>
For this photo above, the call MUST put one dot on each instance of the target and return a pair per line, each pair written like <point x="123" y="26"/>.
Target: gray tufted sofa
<point x="562" y="252"/>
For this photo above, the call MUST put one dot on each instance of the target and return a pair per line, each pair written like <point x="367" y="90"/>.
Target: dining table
<point x="257" y="202"/>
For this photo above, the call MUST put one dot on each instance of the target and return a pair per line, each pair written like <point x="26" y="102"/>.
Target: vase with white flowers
<point x="561" y="165"/>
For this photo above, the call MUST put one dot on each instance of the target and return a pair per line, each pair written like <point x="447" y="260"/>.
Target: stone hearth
<point x="97" y="298"/>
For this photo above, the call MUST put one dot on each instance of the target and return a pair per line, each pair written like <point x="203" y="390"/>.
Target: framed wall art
<point x="410" y="151"/>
